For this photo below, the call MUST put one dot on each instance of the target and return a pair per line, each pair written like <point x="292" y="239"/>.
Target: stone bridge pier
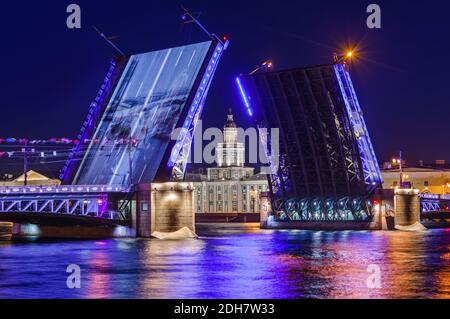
<point x="164" y="207"/>
<point x="407" y="210"/>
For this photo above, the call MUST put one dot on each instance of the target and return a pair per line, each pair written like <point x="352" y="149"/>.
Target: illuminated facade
<point x="230" y="152"/>
<point x="426" y="180"/>
<point x="230" y="187"/>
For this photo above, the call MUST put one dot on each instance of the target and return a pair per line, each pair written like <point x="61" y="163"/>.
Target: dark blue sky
<point x="50" y="74"/>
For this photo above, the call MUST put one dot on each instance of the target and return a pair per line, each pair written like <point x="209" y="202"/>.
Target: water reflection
<point x="170" y="267"/>
<point x="99" y="274"/>
<point x="230" y="262"/>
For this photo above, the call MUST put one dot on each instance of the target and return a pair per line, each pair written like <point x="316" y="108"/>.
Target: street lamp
<point x="344" y="57"/>
<point x="399" y="161"/>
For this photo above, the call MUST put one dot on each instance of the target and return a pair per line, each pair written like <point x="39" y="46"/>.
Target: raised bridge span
<point x="125" y="174"/>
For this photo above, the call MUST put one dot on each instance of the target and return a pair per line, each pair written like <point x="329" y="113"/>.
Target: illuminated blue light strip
<point x="244" y="96"/>
<point x="62" y="189"/>
<point x="195" y="109"/>
<point x="372" y="173"/>
<point x="89" y="123"/>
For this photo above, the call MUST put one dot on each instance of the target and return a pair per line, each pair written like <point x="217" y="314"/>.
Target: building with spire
<point x="230" y="187"/>
<point x="230" y="155"/>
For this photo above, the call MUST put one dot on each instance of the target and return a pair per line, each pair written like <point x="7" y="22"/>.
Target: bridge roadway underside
<point x="52" y="219"/>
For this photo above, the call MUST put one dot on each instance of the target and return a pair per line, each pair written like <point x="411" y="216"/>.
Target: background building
<point x="230" y="187"/>
<point x="33" y="179"/>
<point x="427" y="178"/>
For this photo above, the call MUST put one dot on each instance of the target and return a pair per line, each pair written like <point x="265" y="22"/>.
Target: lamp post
<point x="401" y="169"/>
<point x="399" y="161"/>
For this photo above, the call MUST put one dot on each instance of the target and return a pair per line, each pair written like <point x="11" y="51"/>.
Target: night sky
<point x="50" y="74"/>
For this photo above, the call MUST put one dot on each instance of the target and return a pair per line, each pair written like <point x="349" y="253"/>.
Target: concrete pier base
<point x="165" y="207"/>
<point x="407" y="210"/>
<point x="264" y="210"/>
<point x="172" y="207"/>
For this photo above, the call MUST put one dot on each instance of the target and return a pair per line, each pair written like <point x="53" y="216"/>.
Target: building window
<point x="235" y="206"/>
<point x="425" y="183"/>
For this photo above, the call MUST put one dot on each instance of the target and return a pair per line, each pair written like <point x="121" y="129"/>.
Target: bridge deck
<point x="51" y="219"/>
<point x="65" y="204"/>
<point x="62" y="189"/>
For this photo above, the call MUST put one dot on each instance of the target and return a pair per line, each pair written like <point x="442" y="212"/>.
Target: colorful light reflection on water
<point x="233" y="262"/>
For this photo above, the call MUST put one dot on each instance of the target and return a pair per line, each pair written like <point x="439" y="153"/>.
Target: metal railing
<point x="89" y="205"/>
<point x="63" y="189"/>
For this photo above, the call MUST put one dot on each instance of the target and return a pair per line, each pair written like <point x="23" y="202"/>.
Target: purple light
<point x="244" y="96"/>
<point x="61" y="189"/>
<point x="372" y="173"/>
<point x="196" y="106"/>
<point x="89" y="123"/>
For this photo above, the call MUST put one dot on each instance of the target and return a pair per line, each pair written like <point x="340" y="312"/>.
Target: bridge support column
<point x="165" y="207"/>
<point x="383" y="204"/>
<point x="407" y="210"/>
<point x="264" y="210"/>
<point x="173" y="207"/>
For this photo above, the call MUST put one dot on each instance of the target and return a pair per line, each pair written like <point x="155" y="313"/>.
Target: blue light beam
<point x="244" y="96"/>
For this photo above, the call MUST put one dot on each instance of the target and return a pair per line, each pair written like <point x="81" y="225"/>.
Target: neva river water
<point x="230" y="261"/>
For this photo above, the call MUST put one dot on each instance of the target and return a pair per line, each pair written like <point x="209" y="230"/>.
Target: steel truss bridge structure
<point x="434" y="206"/>
<point x="108" y="205"/>
<point x="325" y="168"/>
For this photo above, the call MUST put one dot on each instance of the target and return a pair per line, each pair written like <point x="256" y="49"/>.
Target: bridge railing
<point x="63" y="189"/>
<point x="434" y="202"/>
<point x="89" y="205"/>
